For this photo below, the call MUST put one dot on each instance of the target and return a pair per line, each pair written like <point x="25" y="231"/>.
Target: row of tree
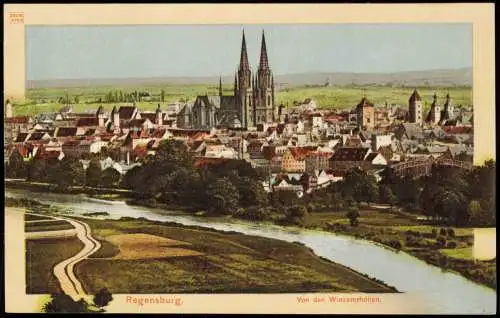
<point x="65" y="173"/>
<point x="448" y="195"/>
<point x="171" y="177"/>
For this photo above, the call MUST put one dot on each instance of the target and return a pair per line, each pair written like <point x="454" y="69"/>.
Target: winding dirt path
<point x="64" y="271"/>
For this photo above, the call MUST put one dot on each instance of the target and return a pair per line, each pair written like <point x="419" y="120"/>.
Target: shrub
<point x="102" y="298"/>
<point x="451" y="244"/>
<point x="311" y="207"/>
<point x="434" y="233"/>
<point x="151" y="202"/>
<point x="411" y="240"/>
<point x="395" y="244"/>
<point x="451" y="233"/>
<point x="441" y="241"/>
<point x="353" y="215"/>
<point x="443" y="232"/>
<point x="413" y="233"/>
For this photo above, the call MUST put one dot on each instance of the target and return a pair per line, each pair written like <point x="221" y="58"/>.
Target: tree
<point x="386" y="195"/>
<point x="16" y="167"/>
<point x="102" y="298"/>
<point x="64" y="303"/>
<point x="251" y="192"/>
<point x="475" y="213"/>
<point x="297" y="214"/>
<point x="162" y="96"/>
<point x="38" y="170"/>
<point x="174" y="152"/>
<point x="93" y="173"/>
<point x="353" y="215"/>
<point x="110" y="178"/>
<point x="69" y="172"/>
<point x="225" y="196"/>
<point x="359" y="185"/>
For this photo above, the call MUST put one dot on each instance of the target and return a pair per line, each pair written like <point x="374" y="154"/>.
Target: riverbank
<point x="192" y="259"/>
<point x="100" y="193"/>
<point x="399" y="231"/>
<point x="436" y="245"/>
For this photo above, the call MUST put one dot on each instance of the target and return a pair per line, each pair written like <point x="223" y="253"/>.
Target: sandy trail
<point x="64" y="271"/>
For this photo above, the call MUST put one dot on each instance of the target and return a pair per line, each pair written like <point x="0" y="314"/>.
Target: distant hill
<point x="445" y="77"/>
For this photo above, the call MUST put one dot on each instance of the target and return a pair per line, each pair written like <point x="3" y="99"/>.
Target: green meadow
<point x="89" y="98"/>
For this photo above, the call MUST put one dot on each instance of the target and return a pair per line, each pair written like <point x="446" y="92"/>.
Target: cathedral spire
<point x="244" y="56"/>
<point x="264" y="63"/>
<point x="220" y="85"/>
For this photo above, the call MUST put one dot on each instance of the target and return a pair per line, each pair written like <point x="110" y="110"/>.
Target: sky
<point x="72" y="52"/>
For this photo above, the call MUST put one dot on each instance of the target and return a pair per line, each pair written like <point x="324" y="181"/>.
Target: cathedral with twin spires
<point x="252" y="103"/>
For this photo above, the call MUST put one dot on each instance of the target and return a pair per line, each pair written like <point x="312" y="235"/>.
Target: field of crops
<point x="89" y="98"/>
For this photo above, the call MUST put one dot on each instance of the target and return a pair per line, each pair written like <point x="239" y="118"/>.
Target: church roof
<point x="415" y="96"/>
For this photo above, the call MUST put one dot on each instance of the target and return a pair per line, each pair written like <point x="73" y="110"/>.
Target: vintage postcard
<point x="250" y="158"/>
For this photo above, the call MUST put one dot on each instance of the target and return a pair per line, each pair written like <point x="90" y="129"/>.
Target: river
<point x="442" y="292"/>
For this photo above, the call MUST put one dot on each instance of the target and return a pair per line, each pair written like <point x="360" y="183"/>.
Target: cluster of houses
<point x="304" y="149"/>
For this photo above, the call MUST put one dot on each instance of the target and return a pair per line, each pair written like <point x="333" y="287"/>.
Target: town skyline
<point x="69" y="52"/>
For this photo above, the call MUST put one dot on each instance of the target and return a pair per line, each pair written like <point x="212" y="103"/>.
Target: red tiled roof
<point x="353" y="142"/>
<point x="150" y="116"/>
<point x="335" y="118"/>
<point x="21" y="137"/>
<point x="203" y="162"/>
<point x="186" y="132"/>
<point x="134" y="123"/>
<point x="22" y="149"/>
<point x="36" y="135"/>
<point x="126" y="112"/>
<point x="106" y="137"/>
<point x="300" y="153"/>
<point x="141" y="151"/>
<point x="87" y="121"/>
<point x="71" y="143"/>
<point x="319" y="154"/>
<point x="138" y="134"/>
<point x="158" y="132"/>
<point x="43" y="154"/>
<point x="457" y="130"/>
<point x="371" y="156"/>
<point x="66" y="131"/>
<point x="349" y="154"/>
<point x="18" y="120"/>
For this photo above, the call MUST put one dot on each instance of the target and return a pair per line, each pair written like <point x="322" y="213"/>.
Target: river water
<point x="442" y="292"/>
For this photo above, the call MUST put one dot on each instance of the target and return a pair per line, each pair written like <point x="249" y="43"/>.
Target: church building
<point x="252" y="102"/>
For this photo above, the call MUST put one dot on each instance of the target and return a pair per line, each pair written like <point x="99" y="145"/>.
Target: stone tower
<point x="100" y="116"/>
<point x="435" y="112"/>
<point x="244" y="93"/>
<point x="115" y="116"/>
<point x="159" y="116"/>
<point x="8" y="109"/>
<point x="447" y="111"/>
<point x="415" y="108"/>
<point x="264" y="88"/>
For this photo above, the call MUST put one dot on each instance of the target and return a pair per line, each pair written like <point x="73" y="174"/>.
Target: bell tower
<point x="244" y="91"/>
<point x="264" y="95"/>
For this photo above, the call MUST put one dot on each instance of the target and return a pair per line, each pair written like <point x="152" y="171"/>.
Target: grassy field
<point x="401" y="232"/>
<point x="48" y="226"/>
<point x="46" y="100"/>
<point x="367" y="217"/>
<point x="230" y="263"/>
<point x="31" y="217"/>
<point x="459" y="253"/>
<point x="41" y="257"/>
